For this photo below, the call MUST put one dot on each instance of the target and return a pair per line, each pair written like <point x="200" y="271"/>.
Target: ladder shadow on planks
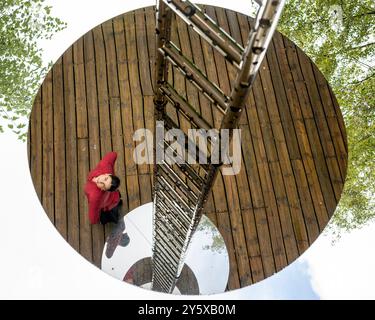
<point x="181" y="189"/>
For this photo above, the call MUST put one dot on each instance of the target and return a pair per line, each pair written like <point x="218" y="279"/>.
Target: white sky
<point x="37" y="263"/>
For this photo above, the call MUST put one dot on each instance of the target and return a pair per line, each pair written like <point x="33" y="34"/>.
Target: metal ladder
<point x="181" y="189"/>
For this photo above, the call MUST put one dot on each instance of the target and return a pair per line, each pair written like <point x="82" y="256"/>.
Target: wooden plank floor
<point x="294" y="146"/>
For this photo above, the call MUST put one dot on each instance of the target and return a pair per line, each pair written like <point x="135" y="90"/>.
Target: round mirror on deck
<point x="128" y="250"/>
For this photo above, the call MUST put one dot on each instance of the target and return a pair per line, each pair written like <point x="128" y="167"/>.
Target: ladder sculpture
<point x="181" y="189"/>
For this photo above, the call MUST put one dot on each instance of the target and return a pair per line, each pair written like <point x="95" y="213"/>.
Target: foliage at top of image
<point x="22" y="24"/>
<point x="339" y="37"/>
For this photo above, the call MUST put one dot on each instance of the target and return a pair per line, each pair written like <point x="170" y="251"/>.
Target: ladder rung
<point x="173" y="217"/>
<point x="174" y="222"/>
<point x="181" y="185"/>
<point x="172" y="230"/>
<point x="159" y="283"/>
<point x="193" y="74"/>
<point x="193" y="176"/>
<point x="179" y="180"/>
<point x="177" y="197"/>
<point x="170" y="124"/>
<point x="173" y="227"/>
<point x="161" y="274"/>
<point x="186" y="109"/>
<point x="161" y="278"/>
<point x="177" y="158"/>
<point x="190" y="173"/>
<point x="157" y="265"/>
<point x="176" y="211"/>
<point x="166" y="251"/>
<point x="159" y="259"/>
<point x="174" y="206"/>
<point x="187" y="169"/>
<point x="172" y="254"/>
<point x="168" y="227"/>
<point x="208" y="29"/>
<point x="164" y="270"/>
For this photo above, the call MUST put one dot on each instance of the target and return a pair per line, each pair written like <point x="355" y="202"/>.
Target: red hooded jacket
<point x="98" y="199"/>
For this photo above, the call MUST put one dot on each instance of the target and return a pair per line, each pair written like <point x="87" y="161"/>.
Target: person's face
<point x="104" y="182"/>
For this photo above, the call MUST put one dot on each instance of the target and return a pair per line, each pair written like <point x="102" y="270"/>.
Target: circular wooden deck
<point x="293" y="140"/>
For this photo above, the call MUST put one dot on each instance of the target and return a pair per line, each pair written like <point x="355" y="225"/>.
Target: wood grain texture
<point x="294" y="145"/>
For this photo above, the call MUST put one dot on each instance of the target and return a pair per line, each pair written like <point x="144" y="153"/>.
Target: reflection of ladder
<point x="181" y="189"/>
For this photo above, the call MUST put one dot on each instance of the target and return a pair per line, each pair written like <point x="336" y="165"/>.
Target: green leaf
<point x="22" y="24"/>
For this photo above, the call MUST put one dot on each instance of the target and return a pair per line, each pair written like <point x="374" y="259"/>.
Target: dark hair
<point x="114" y="184"/>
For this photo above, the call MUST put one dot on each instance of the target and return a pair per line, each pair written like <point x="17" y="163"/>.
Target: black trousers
<point x="111" y="215"/>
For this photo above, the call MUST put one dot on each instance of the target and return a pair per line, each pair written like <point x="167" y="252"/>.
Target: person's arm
<point x="94" y="210"/>
<point x="108" y="160"/>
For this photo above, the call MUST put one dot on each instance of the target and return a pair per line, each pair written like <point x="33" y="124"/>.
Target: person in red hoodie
<point x="101" y="191"/>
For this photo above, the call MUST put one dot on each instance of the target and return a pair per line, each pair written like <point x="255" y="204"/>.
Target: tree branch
<point x="363" y="46"/>
<point x="363" y="14"/>
<point x="363" y="80"/>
